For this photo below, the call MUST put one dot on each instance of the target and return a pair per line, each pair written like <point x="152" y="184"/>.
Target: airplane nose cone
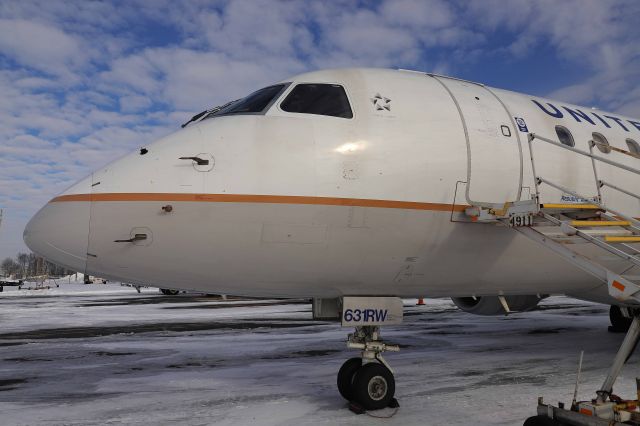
<point x="59" y="232"/>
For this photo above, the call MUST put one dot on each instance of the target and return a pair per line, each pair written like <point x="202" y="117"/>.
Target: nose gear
<point x="367" y="382"/>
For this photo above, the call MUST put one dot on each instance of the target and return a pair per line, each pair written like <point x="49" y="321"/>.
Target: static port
<point x="168" y="208"/>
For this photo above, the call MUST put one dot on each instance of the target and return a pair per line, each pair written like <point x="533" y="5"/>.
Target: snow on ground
<point x="108" y="355"/>
<point x="71" y="285"/>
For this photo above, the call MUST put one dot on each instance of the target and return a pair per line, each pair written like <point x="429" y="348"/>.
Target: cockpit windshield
<point x="255" y="103"/>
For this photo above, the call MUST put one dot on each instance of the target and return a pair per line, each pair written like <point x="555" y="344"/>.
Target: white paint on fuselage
<point x="416" y="152"/>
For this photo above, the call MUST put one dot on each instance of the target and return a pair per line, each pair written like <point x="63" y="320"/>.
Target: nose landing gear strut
<point x="367" y="382"/>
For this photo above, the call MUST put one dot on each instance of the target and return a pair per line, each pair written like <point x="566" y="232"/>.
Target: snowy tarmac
<point x="104" y="354"/>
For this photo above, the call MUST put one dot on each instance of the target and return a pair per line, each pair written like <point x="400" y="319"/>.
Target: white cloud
<point x="39" y="46"/>
<point x="133" y="103"/>
<point x="422" y="15"/>
<point x="247" y="28"/>
<point x="598" y="37"/>
<point x="136" y="71"/>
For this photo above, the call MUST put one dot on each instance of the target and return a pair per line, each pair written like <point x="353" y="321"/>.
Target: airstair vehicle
<point x="596" y="239"/>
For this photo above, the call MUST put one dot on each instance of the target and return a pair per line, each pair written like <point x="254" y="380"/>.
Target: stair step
<point x="556" y="232"/>
<point x="560" y="236"/>
<point x="580" y="223"/>
<point x="625" y="239"/>
<point x="553" y="206"/>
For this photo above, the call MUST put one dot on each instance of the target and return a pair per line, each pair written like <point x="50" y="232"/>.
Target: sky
<point x="84" y="82"/>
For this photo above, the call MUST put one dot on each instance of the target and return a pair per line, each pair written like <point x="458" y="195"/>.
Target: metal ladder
<point x="568" y="228"/>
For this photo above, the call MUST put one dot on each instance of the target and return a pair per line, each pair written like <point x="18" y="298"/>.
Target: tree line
<point x="28" y="265"/>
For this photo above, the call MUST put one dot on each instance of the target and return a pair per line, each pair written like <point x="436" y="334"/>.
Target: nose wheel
<point x="368" y="381"/>
<point x="374" y="386"/>
<point x="346" y="375"/>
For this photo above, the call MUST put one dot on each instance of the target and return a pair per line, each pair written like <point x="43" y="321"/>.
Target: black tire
<point x="540" y="421"/>
<point x="619" y="323"/>
<point x="345" y="377"/>
<point x="169" y="292"/>
<point x="374" y="386"/>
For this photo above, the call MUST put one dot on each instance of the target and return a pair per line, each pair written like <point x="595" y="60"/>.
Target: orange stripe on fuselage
<point x="264" y="199"/>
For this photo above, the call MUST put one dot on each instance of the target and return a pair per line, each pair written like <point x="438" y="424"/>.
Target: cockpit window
<point x="256" y="102"/>
<point x="320" y="99"/>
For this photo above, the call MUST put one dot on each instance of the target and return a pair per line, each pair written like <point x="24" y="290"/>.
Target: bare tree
<point x="23" y="261"/>
<point x="9" y="266"/>
<point x="30" y="265"/>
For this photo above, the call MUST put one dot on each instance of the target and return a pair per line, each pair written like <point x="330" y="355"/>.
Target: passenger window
<point x="565" y="136"/>
<point x="634" y="148"/>
<point x="601" y="143"/>
<point x="319" y="99"/>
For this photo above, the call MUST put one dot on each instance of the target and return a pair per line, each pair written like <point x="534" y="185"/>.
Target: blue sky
<point x="83" y="82"/>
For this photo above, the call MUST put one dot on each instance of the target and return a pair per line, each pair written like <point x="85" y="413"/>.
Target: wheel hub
<point x="377" y="388"/>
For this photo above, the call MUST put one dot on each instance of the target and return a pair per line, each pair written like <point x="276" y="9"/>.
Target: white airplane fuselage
<point x="307" y="205"/>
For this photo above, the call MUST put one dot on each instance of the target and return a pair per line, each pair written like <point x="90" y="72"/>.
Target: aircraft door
<point x="494" y="152"/>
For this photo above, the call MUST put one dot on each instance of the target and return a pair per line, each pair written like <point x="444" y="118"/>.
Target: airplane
<point x="358" y="187"/>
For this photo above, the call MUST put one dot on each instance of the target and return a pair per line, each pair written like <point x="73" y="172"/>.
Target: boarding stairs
<point x="585" y="232"/>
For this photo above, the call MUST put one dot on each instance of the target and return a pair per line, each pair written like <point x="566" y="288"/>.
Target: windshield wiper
<point x="194" y="118"/>
<point x="206" y="114"/>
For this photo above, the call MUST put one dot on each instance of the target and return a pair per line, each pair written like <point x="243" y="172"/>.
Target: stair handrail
<point x="533" y="136"/>
<point x="613" y="148"/>
<point x="599" y="183"/>
<point x="612" y="186"/>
